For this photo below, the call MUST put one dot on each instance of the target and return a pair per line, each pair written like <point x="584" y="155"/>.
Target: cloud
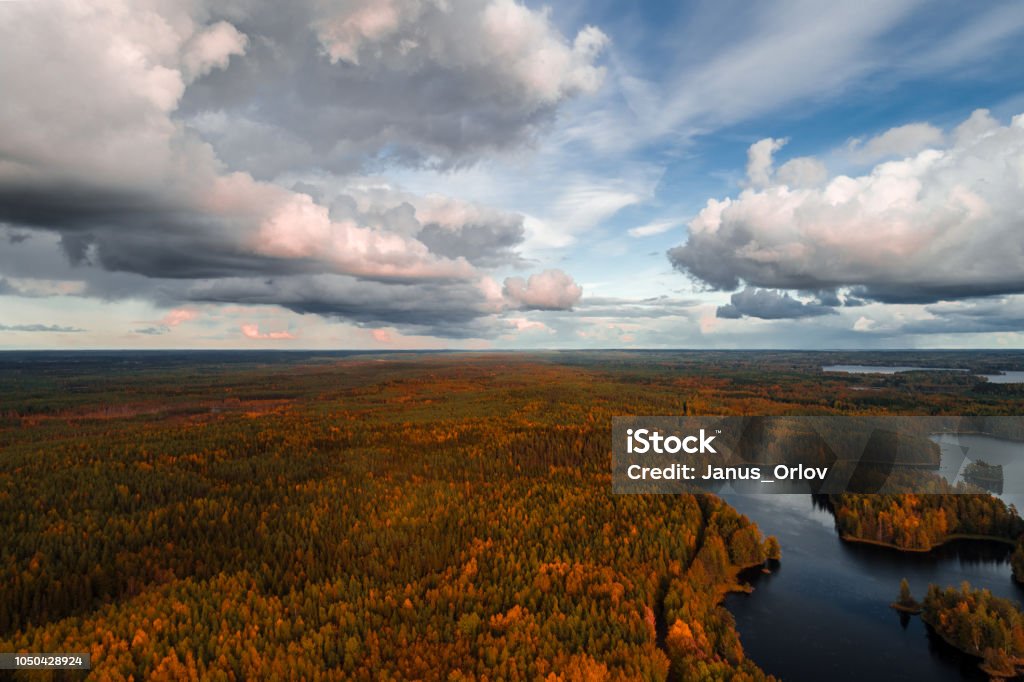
<point x="863" y="324"/>
<point x="438" y="83"/>
<point x="548" y="290"/>
<point x="943" y="224"/>
<point x="770" y="305"/>
<point x="799" y="172"/>
<point x="901" y="141"/>
<point x="170" y="320"/>
<point x="524" y="325"/>
<point x="650" y="229"/>
<point x="583" y="203"/>
<point x="733" y="65"/>
<point x="447" y="309"/>
<point x="759" y="161"/>
<point x="211" y="48"/>
<point x="655" y="307"/>
<point x="455" y="229"/>
<point x="33" y="287"/>
<point x="516" y="47"/>
<point x="252" y="331"/>
<point x="172" y="165"/>
<point x="1003" y="314"/>
<point x="178" y="316"/>
<point x="803" y="171"/>
<point x="53" y="328"/>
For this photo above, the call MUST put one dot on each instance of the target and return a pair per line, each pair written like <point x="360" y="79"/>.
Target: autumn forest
<point x="417" y="516"/>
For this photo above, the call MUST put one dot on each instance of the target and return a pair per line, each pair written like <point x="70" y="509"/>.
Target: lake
<point x="824" y="612"/>
<point x="956" y="449"/>
<point x="1011" y="377"/>
<point x="884" y="369"/>
<point x="1005" y="378"/>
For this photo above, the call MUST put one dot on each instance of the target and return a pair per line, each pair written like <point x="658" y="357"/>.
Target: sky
<point x="488" y="174"/>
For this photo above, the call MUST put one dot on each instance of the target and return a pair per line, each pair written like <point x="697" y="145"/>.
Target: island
<point x="979" y="624"/>
<point x="985" y="475"/>
<point x="906" y="602"/>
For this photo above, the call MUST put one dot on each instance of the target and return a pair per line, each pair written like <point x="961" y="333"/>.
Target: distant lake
<point x="956" y="449"/>
<point x="884" y="369"/>
<point x="1012" y="377"/>
<point x="1005" y="378"/>
<point x="824" y="613"/>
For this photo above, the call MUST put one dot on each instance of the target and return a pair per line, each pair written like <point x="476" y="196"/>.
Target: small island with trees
<point x="985" y="475"/>
<point x="906" y="602"/>
<point x="975" y="622"/>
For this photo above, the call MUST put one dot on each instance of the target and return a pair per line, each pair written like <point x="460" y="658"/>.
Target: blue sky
<point x="488" y="174"/>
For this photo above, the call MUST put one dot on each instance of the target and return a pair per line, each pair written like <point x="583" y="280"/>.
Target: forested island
<point x="919" y="523"/>
<point x="906" y="602"/>
<point x="232" y="516"/>
<point x="980" y="624"/>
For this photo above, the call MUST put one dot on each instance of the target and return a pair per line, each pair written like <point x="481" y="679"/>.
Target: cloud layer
<point x="151" y="140"/>
<point x="943" y="223"/>
<point x="770" y="305"/>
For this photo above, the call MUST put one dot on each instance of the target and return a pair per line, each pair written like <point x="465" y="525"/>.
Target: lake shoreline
<point x="924" y="550"/>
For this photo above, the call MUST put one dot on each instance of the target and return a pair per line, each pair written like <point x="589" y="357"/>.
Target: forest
<point x="407" y="516"/>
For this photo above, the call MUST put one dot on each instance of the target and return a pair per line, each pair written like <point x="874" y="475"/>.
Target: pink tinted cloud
<point x="382" y="336"/>
<point x="548" y="290"/>
<point x="177" y="316"/>
<point x="252" y="331"/>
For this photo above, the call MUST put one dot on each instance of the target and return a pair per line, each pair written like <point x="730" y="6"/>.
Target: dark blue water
<point x="824" y="613"/>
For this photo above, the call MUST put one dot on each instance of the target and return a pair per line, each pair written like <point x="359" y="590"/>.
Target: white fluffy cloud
<point x="653" y="228"/>
<point x="942" y="224"/>
<point x="759" y="160"/>
<point x="548" y="290"/>
<point x="497" y="40"/>
<point x="211" y="48"/>
<point x="901" y="141"/>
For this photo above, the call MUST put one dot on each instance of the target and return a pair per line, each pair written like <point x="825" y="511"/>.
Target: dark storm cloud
<point x="981" y="316"/>
<point x="481" y="244"/>
<point x="770" y="305"/>
<point x="156" y="170"/>
<point x="444" y="309"/>
<point x="829" y="297"/>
